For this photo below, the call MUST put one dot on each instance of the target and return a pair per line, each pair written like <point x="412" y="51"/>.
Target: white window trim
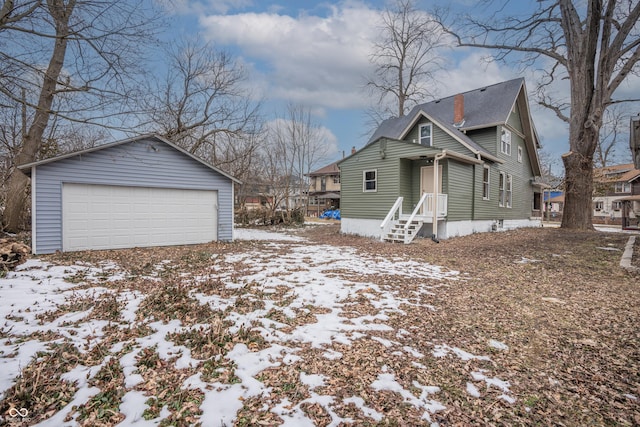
<point x="519" y="154"/>
<point x="430" y="134"/>
<point x="364" y="181"/>
<point x="505" y="141"/>
<point x="486" y="185"/>
<point x="509" y="191"/>
<point x="502" y="182"/>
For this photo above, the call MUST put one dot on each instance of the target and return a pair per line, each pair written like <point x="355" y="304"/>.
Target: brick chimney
<point x="353" y="150"/>
<point x="458" y="108"/>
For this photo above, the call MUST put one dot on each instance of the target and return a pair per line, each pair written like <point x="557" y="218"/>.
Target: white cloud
<point x="471" y="72"/>
<point x="315" y="60"/>
<point x="323" y="137"/>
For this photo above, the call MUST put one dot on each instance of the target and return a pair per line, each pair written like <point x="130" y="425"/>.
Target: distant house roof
<point x="484" y="107"/>
<point x="617" y="173"/>
<point x="331" y="169"/>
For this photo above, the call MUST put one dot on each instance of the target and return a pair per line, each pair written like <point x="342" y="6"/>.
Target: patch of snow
<point x="524" y="260"/>
<point x="498" y="345"/>
<point x="412" y="351"/>
<point x="254" y="234"/>
<point x="387" y="381"/>
<point x="368" y="412"/>
<point x="507" y="398"/>
<point x="473" y="390"/>
<point x="442" y="350"/>
<point x="312" y="380"/>
<point x="495" y="382"/>
<point x="383" y="341"/>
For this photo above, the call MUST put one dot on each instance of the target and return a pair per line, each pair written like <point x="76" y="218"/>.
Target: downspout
<point x="473" y="189"/>
<point x="437" y="157"/>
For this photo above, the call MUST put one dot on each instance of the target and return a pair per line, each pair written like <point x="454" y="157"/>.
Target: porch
<point x="401" y="226"/>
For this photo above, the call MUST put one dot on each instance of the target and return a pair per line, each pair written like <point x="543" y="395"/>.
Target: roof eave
<point x="28" y="166"/>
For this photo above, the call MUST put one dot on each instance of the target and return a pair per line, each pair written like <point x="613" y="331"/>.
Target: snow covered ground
<point x="305" y="302"/>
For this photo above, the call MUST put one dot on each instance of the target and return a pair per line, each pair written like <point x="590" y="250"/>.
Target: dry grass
<point x="568" y="312"/>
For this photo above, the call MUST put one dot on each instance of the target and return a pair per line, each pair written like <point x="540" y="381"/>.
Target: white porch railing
<point x="427" y="205"/>
<point x="417" y="209"/>
<point x="391" y="216"/>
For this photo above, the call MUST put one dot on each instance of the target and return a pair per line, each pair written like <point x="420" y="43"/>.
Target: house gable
<point x="442" y="139"/>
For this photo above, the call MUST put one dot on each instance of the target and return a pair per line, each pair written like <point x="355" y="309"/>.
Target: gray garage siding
<point x="140" y="163"/>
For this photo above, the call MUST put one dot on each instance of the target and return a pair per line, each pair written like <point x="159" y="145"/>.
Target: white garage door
<point x="111" y="217"/>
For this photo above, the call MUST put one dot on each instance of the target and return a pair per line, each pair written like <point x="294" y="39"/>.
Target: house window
<point x="616" y="206"/>
<point x="370" y="180"/>
<point x="599" y="205"/>
<point x="509" y="192"/>
<point x="622" y="187"/>
<point x="519" y="154"/>
<point x="505" y="139"/>
<point x="425" y="135"/>
<point x="336" y="179"/>
<point x="501" y="186"/>
<point x="485" y="183"/>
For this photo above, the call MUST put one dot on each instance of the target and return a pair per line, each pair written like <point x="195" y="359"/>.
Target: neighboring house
<point x="324" y="189"/>
<point x="143" y="191"/>
<point x="254" y="195"/>
<point x="553" y="204"/>
<point x="467" y="163"/>
<point x="617" y="195"/>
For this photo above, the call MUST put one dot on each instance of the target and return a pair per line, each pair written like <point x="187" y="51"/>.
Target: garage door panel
<point x="107" y="217"/>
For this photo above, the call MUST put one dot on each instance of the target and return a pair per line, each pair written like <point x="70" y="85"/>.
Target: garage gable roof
<point x="27" y="167"/>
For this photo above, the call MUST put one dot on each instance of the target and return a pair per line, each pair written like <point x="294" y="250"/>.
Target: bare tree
<point x="405" y="59"/>
<point x="614" y="130"/>
<point x="295" y="145"/>
<point x="594" y="44"/>
<point x="203" y="103"/>
<point x="91" y="49"/>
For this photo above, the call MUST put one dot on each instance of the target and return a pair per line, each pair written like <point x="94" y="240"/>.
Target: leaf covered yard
<point x="528" y="327"/>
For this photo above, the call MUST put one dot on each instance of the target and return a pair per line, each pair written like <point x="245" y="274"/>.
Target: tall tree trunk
<point x="18" y="181"/>
<point x="577" y="212"/>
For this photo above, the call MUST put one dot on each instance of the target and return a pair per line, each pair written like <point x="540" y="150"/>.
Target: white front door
<point x="426" y="185"/>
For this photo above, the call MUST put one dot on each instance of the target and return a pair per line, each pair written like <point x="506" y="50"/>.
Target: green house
<point x="455" y="166"/>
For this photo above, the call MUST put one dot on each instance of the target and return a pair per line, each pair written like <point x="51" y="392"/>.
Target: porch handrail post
<point x="416" y="210"/>
<point x="442" y="205"/>
<point x="397" y="207"/>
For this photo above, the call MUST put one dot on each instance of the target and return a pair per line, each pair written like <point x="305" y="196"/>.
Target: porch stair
<point x="403" y="230"/>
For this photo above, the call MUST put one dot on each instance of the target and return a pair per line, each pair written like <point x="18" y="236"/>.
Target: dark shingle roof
<point x="483" y="107"/>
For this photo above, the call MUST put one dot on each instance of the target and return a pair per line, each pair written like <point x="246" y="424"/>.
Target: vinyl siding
<point x="141" y="163"/>
<point x="460" y="190"/>
<point x="354" y="202"/>
<point x="486" y="138"/>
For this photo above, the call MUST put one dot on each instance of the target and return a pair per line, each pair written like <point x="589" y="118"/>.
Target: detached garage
<point x="138" y="192"/>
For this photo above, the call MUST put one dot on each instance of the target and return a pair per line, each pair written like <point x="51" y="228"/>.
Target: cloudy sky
<point x="315" y="53"/>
